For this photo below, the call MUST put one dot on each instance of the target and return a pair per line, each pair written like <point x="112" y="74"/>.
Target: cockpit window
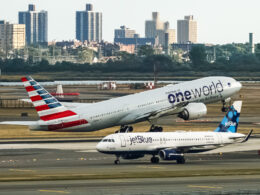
<point x="108" y="140"/>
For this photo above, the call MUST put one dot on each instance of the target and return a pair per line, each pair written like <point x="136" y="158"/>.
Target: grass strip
<point x="125" y="175"/>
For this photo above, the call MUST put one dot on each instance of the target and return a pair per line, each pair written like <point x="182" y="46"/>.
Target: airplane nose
<point x="99" y="147"/>
<point x="238" y="85"/>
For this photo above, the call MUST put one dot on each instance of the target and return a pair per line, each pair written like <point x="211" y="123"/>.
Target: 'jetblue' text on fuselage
<point x="140" y="139"/>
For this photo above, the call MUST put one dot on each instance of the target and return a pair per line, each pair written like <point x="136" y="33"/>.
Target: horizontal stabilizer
<point x="248" y="136"/>
<point x="27" y="123"/>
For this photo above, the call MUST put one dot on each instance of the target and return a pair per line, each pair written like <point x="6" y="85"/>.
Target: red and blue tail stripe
<point x="49" y="108"/>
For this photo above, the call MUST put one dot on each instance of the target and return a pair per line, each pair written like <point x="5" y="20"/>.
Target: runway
<point x="76" y="168"/>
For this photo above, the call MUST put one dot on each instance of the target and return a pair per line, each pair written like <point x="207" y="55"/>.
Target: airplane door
<point x="219" y="137"/>
<point x="122" y="139"/>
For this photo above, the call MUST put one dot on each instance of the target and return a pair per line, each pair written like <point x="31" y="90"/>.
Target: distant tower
<point x="36" y="24"/>
<point x="89" y="25"/>
<point x="157" y="28"/>
<point x="187" y="30"/>
<point x="251" y="43"/>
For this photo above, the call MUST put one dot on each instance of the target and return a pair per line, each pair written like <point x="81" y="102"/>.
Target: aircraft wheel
<point x="117" y="162"/>
<point x="181" y="161"/>
<point x="154" y="160"/>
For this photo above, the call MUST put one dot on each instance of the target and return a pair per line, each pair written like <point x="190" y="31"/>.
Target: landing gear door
<point x="122" y="139"/>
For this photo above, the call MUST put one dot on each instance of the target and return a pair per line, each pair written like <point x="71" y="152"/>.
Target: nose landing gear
<point x="117" y="161"/>
<point x="226" y="104"/>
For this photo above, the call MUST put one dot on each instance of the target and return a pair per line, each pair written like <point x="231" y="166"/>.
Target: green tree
<point x="198" y="55"/>
<point x="145" y="50"/>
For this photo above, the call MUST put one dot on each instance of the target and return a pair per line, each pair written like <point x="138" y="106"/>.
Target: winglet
<point x="248" y="136"/>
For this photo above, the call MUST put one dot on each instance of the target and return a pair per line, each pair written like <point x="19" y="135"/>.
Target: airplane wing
<point x="163" y="112"/>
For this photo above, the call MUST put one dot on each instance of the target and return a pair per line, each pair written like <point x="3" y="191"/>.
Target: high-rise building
<point x="89" y="25"/>
<point x="187" y="30"/>
<point x="12" y="36"/>
<point x="124" y="32"/>
<point x="36" y="24"/>
<point x="251" y="43"/>
<point x="157" y="28"/>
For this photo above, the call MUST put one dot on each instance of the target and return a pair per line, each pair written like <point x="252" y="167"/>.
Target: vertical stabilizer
<point x="49" y="108"/>
<point x="230" y="121"/>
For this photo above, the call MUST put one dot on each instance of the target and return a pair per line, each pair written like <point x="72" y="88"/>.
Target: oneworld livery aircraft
<point x="173" y="145"/>
<point x="185" y="100"/>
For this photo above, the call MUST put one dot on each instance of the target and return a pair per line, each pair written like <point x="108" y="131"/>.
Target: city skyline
<point x="218" y="21"/>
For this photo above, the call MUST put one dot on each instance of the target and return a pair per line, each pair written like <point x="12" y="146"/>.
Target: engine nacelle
<point x="132" y="156"/>
<point x="169" y="154"/>
<point x="193" y="111"/>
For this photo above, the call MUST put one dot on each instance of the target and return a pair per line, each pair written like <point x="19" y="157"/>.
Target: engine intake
<point x="193" y="111"/>
<point x="169" y="154"/>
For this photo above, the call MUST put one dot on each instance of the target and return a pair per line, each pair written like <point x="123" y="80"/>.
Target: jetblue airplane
<point x="173" y="145"/>
<point x="186" y="100"/>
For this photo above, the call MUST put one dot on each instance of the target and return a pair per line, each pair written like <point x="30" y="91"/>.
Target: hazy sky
<point x="219" y="21"/>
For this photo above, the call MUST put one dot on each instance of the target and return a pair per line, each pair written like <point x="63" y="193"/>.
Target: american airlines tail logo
<point x="230" y="124"/>
<point x="206" y="90"/>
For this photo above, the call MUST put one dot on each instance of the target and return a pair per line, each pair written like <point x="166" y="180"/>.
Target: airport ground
<point x="63" y="163"/>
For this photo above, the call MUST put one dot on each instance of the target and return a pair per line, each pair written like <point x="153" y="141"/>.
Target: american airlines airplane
<point x="185" y="100"/>
<point x="173" y="145"/>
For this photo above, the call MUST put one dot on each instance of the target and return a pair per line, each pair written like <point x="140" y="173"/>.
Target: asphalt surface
<point x="76" y="168"/>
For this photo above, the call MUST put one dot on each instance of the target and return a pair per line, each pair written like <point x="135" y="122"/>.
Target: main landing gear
<point x="125" y="129"/>
<point x="154" y="128"/>
<point x="180" y="161"/>
<point x="155" y="160"/>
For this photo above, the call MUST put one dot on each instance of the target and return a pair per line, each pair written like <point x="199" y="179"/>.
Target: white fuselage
<point x="153" y="142"/>
<point x="138" y="107"/>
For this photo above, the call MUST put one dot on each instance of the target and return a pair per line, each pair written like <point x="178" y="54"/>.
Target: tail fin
<point x="230" y="121"/>
<point x="49" y="108"/>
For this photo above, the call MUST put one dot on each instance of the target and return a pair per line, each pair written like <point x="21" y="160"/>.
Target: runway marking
<point x="153" y="167"/>
<point x="54" y="191"/>
<point x="22" y="170"/>
<point x="211" y="187"/>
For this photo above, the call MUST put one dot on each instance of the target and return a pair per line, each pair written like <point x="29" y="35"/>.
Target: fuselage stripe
<point x="67" y="124"/>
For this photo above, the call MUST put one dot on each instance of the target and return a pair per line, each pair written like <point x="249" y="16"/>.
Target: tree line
<point x="231" y="57"/>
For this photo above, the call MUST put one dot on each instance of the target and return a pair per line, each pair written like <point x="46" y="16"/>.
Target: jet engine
<point x="169" y="154"/>
<point x="193" y="111"/>
<point x="132" y="156"/>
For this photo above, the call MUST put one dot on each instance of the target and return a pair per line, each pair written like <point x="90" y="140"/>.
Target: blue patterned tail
<point x="230" y="121"/>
